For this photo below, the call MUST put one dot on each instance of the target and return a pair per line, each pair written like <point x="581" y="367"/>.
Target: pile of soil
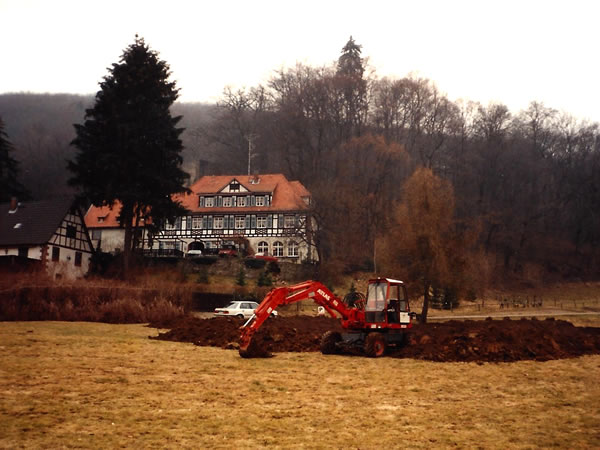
<point x="488" y="340"/>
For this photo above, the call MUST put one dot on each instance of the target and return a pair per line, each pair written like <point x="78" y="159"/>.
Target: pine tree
<point x="353" y="88"/>
<point x="9" y="170"/>
<point x="129" y="145"/>
<point x="241" y="277"/>
<point x="350" y="62"/>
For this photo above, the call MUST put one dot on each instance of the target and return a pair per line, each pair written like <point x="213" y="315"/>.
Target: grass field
<point x="98" y="385"/>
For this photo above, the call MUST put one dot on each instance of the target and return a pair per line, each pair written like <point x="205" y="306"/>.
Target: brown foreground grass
<point x="102" y="386"/>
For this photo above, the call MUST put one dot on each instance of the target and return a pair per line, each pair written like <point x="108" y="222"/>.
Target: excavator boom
<point x="295" y="293"/>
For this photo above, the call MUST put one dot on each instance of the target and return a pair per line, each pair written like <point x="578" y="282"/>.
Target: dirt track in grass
<point x="478" y="341"/>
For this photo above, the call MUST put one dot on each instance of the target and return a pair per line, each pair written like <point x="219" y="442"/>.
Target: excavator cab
<point x="387" y="302"/>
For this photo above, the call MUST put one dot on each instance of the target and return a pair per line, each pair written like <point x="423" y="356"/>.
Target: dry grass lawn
<point x="103" y="386"/>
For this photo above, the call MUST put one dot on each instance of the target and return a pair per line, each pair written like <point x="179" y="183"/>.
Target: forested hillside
<point x="40" y="128"/>
<point x="523" y="186"/>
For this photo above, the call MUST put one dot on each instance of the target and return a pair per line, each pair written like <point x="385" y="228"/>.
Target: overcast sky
<point x="506" y="51"/>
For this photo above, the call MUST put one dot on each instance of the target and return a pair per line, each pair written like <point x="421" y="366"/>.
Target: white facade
<point x="110" y="239"/>
<point x="280" y="235"/>
<point x="67" y="252"/>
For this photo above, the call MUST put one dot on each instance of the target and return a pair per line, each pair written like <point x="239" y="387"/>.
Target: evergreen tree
<point x="241" y="277"/>
<point x="350" y="62"/>
<point x="264" y="279"/>
<point x="129" y="145"/>
<point x="353" y="89"/>
<point x="9" y="169"/>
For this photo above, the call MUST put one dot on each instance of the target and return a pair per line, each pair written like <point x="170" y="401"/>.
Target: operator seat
<point x="392" y="311"/>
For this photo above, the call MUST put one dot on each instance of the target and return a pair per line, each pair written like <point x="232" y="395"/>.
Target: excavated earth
<point x="479" y="341"/>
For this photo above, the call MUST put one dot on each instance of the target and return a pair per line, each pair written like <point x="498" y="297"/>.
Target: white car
<point x="193" y="253"/>
<point x="243" y="310"/>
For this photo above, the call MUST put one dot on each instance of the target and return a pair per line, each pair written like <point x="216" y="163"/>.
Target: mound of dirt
<point x="281" y="334"/>
<point x="488" y="340"/>
<point x="500" y="340"/>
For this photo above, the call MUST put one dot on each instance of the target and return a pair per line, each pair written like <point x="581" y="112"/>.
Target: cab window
<point x="376" y="296"/>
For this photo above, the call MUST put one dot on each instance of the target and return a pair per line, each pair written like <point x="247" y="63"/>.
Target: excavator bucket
<point x="254" y="350"/>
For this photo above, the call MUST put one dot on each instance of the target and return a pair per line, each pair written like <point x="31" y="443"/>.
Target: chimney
<point x="14" y="204"/>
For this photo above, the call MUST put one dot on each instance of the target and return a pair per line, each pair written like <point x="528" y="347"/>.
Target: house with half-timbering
<point x="268" y="212"/>
<point x="47" y="234"/>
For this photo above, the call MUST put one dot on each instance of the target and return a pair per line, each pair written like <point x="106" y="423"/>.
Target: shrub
<point x="264" y="279"/>
<point x="241" y="277"/>
<point x="202" y="277"/>
<point x="85" y="302"/>
<point x="273" y="267"/>
<point x="253" y="263"/>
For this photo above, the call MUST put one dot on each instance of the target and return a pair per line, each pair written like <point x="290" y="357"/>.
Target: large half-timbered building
<point x="269" y="212"/>
<point x="51" y="233"/>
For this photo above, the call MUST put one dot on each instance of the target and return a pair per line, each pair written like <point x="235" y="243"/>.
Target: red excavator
<point x="371" y="323"/>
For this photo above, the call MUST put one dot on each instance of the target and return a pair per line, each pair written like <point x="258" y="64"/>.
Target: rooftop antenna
<point x="251" y="137"/>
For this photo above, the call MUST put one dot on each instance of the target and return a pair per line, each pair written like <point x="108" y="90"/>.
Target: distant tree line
<point x="528" y="184"/>
<point x="39" y="127"/>
<point x="521" y="190"/>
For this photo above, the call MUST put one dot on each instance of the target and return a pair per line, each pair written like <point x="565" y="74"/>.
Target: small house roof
<point x="33" y="223"/>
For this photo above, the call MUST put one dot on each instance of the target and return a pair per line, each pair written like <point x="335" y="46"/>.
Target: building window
<point x="209" y="202"/>
<point x="78" y="259"/>
<point x="172" y="226"/>
<point x="218" y="223"/>
<point x="96" y="235"/>
<point x="227" y="202"/>
<point x="197" y="222"/>
<point x="234" y="186"/>
<point x="277" y="248"/>
<point x="289" y="221"/>
<point x="260" y="201"/>
<point x="241" y="201"/>
<point x="55" y="253"/>
<point x="263" y="247"/>
<point x="23" y="252"/>
<point x="71" y="231"/>
<point x="261" y="222"/>
<point x="240" y="222"/>
<point x="292" y="249"/>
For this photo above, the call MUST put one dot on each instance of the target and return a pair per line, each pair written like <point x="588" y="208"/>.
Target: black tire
<point x="240" y="316"/>
<point x="375" y="345"/>
<point x="329" y="341"/>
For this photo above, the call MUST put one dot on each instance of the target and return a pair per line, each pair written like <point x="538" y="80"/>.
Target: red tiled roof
<point x="103" y="216"/>
<point x="287" y="196"/>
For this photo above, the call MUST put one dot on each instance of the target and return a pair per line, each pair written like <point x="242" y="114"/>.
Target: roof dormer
<point x="234" y="186"/>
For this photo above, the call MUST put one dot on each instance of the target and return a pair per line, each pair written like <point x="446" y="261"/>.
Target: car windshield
<point x="233" y="305"/>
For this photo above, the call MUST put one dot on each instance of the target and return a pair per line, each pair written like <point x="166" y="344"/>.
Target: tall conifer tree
<point x="9" y="170"/>
<point x="129" y="145"/>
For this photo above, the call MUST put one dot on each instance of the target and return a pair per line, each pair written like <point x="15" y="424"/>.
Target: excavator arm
<point x="291" y="294"/>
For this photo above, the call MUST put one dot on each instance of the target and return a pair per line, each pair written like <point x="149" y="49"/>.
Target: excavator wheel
<point x="329" y="341"/>
<point x="375" y="345"/>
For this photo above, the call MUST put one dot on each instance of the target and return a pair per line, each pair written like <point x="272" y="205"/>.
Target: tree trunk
<point x="425" y="309"/>
<point x="126" y="213"/>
